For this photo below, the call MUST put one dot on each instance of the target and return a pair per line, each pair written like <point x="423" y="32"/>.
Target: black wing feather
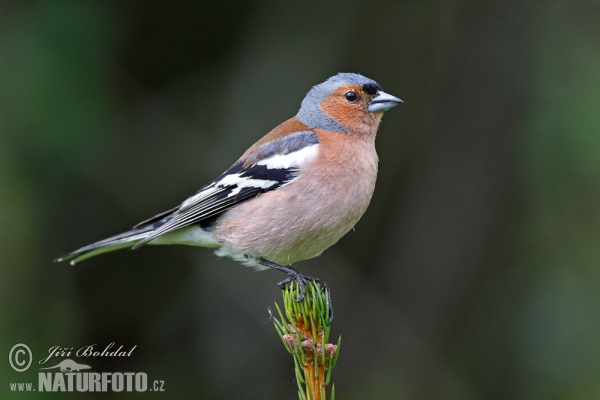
<point x="218" y="196"/>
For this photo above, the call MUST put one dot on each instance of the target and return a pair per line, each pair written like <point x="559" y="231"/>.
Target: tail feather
<point x="117" y="242"/>
<point x="123" y="240"/>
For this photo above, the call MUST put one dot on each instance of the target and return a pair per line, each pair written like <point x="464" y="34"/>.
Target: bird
<point x="290" y="196"/>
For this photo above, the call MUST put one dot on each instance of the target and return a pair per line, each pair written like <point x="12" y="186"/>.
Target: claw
<point x="300" y="279"/>
<point x="293" y="275"/>
<point x="324" y="287"/>
<point x="284" y="282"/>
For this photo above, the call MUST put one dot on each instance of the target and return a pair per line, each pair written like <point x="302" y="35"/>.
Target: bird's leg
<point x="298" y="277"/>
<point x="293" y="275"/>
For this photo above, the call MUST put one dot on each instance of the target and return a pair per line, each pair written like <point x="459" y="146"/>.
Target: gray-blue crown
<point x="311" y="114"/>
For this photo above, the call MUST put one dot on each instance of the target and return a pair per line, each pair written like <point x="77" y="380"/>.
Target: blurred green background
<point x="473" y="275"/>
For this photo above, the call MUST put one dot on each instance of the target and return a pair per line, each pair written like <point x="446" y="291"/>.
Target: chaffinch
<point x="291" y="195"/>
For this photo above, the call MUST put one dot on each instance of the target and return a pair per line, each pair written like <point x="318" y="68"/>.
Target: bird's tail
<point x="123" y="240"/>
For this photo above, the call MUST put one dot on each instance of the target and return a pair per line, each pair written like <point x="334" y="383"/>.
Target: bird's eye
<point x="351" y="97"/>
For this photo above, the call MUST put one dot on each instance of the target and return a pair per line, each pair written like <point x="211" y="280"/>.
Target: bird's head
<point x="346" y="103"/>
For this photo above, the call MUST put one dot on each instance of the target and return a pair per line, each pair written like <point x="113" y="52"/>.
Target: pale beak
<point x="383" y="101"/>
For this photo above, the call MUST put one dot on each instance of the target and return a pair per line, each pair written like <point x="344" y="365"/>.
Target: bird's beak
<point x="383" y="101"/>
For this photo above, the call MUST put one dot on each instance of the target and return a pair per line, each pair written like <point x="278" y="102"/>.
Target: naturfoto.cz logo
<point x="70" y="376"/>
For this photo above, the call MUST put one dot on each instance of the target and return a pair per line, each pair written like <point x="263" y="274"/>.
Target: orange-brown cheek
<point x="349" y="115"/>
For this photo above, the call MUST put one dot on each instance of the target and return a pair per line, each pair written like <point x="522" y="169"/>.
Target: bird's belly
<point x="291" y="225"/>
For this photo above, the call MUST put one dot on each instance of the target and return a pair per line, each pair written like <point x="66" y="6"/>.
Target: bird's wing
<point x="272" y="165"/>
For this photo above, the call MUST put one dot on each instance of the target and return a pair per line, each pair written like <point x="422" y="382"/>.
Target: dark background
<point x="474" y="273"/>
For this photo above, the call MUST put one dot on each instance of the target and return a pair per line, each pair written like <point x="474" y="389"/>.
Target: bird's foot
<point x="302" y="281"/>
<point x="293" y="275"/>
